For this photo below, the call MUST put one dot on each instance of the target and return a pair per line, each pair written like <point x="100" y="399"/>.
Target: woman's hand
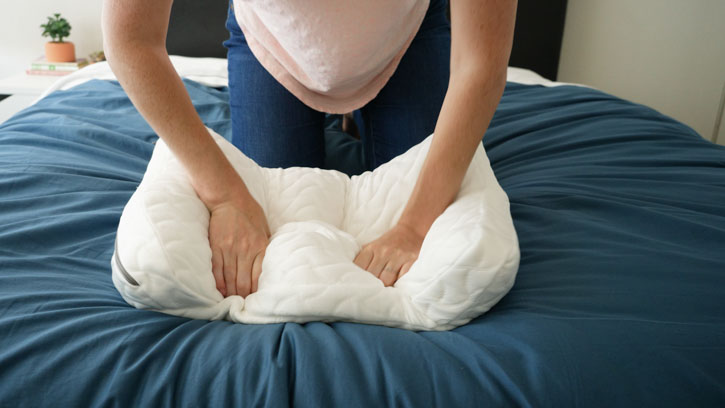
<point x="238" y="236"/>
<point x="391" y="256"/>
<point x="134" y="35"/>
<point x="483" y="33"/>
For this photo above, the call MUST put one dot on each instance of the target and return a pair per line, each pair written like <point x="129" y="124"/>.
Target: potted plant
<point x="58" y="50"/>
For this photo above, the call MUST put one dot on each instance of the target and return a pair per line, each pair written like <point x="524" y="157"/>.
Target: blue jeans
<point x="275" y="129"/>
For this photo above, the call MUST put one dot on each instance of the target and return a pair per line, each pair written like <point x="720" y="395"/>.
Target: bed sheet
<point x="619" y="299"/>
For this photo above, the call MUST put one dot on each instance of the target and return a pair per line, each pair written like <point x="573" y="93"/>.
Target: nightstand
<point x="19" y="91"/>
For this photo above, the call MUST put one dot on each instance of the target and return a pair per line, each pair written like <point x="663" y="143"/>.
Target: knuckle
<point x="225" y="242"/>
<point x="243" y="245"/>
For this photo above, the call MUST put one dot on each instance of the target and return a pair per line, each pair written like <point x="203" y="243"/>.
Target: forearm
<point x="481" y="39"/>
<point x="145" y="71"/>
<point x="467" y="110"/>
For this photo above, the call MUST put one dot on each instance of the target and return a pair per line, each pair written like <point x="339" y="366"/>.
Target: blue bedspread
<point x="619" y="300"/>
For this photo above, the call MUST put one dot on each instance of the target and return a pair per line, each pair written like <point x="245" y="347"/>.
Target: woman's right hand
<point x="238" y="236"/>
<point x="134" y="37"/>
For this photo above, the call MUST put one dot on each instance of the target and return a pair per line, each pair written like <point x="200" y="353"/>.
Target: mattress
<point x="619" y="299"/>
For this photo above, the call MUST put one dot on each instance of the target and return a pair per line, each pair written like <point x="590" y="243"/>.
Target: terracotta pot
<point x="60" y="52"/>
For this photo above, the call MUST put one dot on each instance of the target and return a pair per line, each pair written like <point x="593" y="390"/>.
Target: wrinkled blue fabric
<point x="619" y="300"/>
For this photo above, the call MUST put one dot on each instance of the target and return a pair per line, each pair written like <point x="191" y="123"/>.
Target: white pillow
<point x="319" y="220"/>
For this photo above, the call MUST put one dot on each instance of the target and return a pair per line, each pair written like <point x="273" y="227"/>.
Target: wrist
<point x="221" y="185"/>
<point x="225" y="191"/>
<point x="417" y="226"/>
<point x="212" y="176"/>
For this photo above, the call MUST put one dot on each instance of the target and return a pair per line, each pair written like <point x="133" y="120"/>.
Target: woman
<point x="446" y="85"/>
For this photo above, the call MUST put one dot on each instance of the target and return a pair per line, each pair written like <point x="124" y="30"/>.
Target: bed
<point x="619" y="298"/>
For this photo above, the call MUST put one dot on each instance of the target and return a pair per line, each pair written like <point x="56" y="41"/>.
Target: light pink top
<point x="334" y="55"/>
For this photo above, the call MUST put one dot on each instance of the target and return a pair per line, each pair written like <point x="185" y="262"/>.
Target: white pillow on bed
<point x="319" y="220"/>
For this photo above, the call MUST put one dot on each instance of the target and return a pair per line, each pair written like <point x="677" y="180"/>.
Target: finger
<point x="390" y="272"/>
<point x="405" y="268"/>
<point x="363" y="258"/>
<point x="257" y="270"/>
<point x="216" y="269"/>
<point x="244" y="272"/>
<point x="377" y="264"/>
<point x="230" y="273"/>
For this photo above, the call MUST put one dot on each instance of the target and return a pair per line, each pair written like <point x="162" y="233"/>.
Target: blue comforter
<point x="619" y="300"/>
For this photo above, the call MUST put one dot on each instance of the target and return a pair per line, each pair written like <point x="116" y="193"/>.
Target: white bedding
<point x="319" y="220"/>
<point x="213" y="72"/>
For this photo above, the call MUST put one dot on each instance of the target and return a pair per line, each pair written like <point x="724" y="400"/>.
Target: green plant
<point x="56" y="27"/>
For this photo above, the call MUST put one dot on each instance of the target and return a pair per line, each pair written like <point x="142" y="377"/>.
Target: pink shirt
<point x="334" y="55"/>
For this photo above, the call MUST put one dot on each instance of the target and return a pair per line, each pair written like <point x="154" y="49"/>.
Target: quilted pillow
<point x="319" y="220"/>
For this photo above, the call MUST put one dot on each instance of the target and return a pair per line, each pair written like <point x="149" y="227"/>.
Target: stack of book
<point x="43" y="67"/>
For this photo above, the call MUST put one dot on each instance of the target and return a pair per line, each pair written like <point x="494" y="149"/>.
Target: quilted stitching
<point x="319" y="220"/>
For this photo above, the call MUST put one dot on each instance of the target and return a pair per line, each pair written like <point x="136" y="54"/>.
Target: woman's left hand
<point x="391" y="256"/>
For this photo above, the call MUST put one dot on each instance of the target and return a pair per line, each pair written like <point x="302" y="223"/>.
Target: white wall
<point x="667" y="54"/>
<point x="20" y="33"/>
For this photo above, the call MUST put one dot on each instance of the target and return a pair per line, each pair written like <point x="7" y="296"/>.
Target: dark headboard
<point x="537" y="36"/>
<point x="196" y="29"/>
